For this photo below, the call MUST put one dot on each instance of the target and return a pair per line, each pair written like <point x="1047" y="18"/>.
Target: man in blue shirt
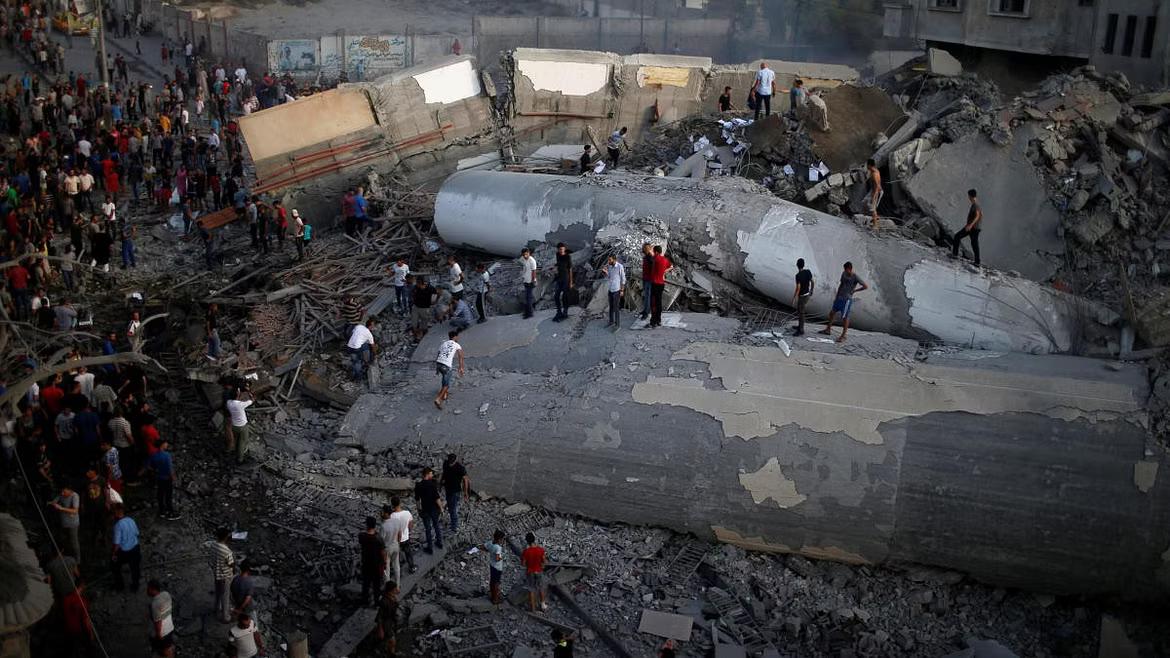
<point x="360" y="206"/>
<point x="126" y="549"/>
<point x="164" y="472"/>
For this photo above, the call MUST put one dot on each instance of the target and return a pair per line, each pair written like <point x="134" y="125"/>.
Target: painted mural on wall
<point x="367" y="54"/>
<point x="291" y="55"/>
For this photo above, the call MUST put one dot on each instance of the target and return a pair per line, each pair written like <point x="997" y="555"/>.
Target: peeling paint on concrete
<point x="595" y="480"/>
<point x="757" y="543"/>
<point x="770" y="483"/>
<point x="448" y="84"/>
<point x="764" y="390"/>
<point x="1145" y="474"/>
<point x="568" y="78"/>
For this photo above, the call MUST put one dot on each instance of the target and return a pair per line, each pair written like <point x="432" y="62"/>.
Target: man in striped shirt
<point x="223" y="564"/>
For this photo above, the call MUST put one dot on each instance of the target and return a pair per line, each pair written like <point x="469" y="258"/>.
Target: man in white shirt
<point x="162" y="624"/>
<point x="361" y="346"/>
<point x="615" y="274"/>
<point x="241" y="75"/>
<point x="84" y="147"/>
<point x="763" y="88"/>
<point x="528" y="278"/>
<point x="401" y="270"/>
<point x="456" y="274"/>
<point x="239" y="432"/>
<point x="110" y="210"/>
<point x="397" y="527"/>
<point x="445" y="362"/>
<point x="86" y="187"/>
<point x="244" y="637"/>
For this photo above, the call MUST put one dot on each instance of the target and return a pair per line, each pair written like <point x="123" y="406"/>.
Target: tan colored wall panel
<point x="307" y="121"/>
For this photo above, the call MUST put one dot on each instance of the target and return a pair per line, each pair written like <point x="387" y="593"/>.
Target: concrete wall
<point x="1063" y="28"/>
<point x="707" y="37"/>
<point x="223" y="41"/>
<point x="1154" y="70"/>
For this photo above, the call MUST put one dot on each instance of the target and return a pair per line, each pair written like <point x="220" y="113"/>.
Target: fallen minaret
<point x="754" y="239"/>
<point x="1031" y="471"/>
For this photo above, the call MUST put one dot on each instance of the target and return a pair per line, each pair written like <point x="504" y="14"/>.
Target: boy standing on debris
<point x="587" y="159"/>
<point x="615" y="144"/>
<point x="971" y="229"/>
<point x="843" y="302"/>
<point x="495" y="555"/>
<point x="400" y="270"/>
<point x="528" y="278"/>
<point x="873" y="189"/>
<point x="764" y="87"/>
<point x="444" y="363"/>
<point x="725" y="100"/>
<point x="800" y="296"/>
<point x="533" y="559"/>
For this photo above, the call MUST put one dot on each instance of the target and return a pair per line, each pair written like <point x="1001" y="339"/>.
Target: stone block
<point x="943" y="63"/>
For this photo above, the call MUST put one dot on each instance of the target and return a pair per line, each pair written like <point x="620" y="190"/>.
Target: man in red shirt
<point x="77" y="625"/>
<point x="51" y="397"/>
<point x="657" y="285"/>
<point x="533" y="559"/>
<point x="18" y="281"/>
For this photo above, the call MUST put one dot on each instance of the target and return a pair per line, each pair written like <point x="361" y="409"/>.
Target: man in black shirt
<point x="420" y="315"/>
<point x="564" y="282"/>
<point x="800" y="296"/>
<point x="971" y="229"/>
<point x="587" y="159"/>
<point x="455" y="484"/>
<point x="373" y="551"/>
<point x="430" y="506"/>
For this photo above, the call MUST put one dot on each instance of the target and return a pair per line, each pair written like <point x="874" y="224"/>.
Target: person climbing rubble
<point x="971" y="229"/>
<point x="843" y="302"/>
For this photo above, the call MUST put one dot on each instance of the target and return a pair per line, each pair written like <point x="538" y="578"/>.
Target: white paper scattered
<point x="738" y="148"/>
<point x="473" y="551"/>
<point x="814" y="174"/>
<point x="599" y="167"/>
<point x="823" y="169"/>
<point x="788" y="170"/>
<point x="784" y="346"/>
<point x="240" y="536"/>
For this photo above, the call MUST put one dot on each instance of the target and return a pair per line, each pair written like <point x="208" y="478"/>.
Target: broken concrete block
<point x="816" y="191"/>
<point x="665" y="624"/>
<point x="421" y="612"/>
<point x="516" y="509"/>
<point x="440" y="619"/>
<point x="836" y="180"/>
<point x="1078" y="200"/>
<point x="940" y="62"/>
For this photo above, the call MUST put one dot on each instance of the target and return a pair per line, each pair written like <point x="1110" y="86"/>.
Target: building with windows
<point x="1131" y="36"/>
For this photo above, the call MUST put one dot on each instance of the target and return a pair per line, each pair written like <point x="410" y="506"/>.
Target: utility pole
<point x="104" y="72"/>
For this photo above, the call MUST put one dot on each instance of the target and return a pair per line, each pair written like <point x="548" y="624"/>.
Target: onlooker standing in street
<point x="162" y="623"/>
<point x="387" y="619"/>
<point x="615" y="274"/>
<point x="479" y="284"/>
<point x="533" y="558"/>
<point x="244" y="637"/>
<point x="647" y="278"/>
<point x="361" y="348"/>
<point x="68" y="505"/>
<point x="223" y="567"/>
<point x="457" y="486"/>
<point x="126" y="549"/>
<point x="658" y="285"/>
<point x="843" y="302"/>
<point x="239" y="432"/>
<point x="79" y="636"/>
<point x="444" y="364"/>
<point x="374" y="559"/>
<point x="420" y="314"/>
<point x="163" y="465"/>
<point x="971" y="229"/>
<point x="430" y="506"/>
<point x="801" y="295"/>
<point x="495" y="555"/>
<point x="400" y="270"/>
<point x="528" y="278"/>
<point x="564" y="281"/>
<point x="764" y="87"/>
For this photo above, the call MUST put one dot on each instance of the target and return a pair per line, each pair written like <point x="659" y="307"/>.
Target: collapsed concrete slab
<point x="1016" y="469"/>
<point x="1019" y="223"/>
<point x="752" y="238"/>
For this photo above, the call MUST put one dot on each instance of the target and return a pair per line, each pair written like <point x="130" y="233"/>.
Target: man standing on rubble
<point x="445" y="363"/>
<point x="801" y="295"/>
<point x="361" y="217"/>
<point x="615" y="275"/>
<point x="528" y="278"/>
<point x="971" y="229"/>
<point x="400" y="270"/>
<point x="347" y="211"/>
<point x="873" y="190"/>
<point x="373" y="553"/>
<point x="239" y="431"/>
<point x="420" y="314"/>
<point x="564" y="282"/>
<point x="843" y="302"/>
<point x="223" y="567"/>
<point x="533" y="559"/>
<point x="614" y="146"/>
<point x="430" y="508"/>
<point x="658" y="285"/>
<point x="361" y="347"/>
<point x="763" y="88"/>
<point x="647" y="276"/>
<point x="456" y="485"/>
<point x="456" y="274"/>
<point x="401" y="522"/>
<point x="479" y="284"/>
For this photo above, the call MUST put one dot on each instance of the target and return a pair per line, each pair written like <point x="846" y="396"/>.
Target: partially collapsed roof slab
<point x="1018" y="469"/>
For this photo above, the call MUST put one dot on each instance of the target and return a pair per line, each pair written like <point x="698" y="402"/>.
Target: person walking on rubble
<point x="843" y="302"/>
<point x="801" y="295"/>
<point x="373" y="554"/>
<point x="971" y="229"/>
<point x="647" y="277"/>
<point x="528" y="279"/>
<point x="615" y="144"/>
<point x="444" y="364"/>
<point x="764" y="88"/>
<point x="873" y="190"/>
<point x="400" y="270"/>
<point x="430" y="508"/>
<point x="361" y="347"/>
<point x="456" y="485"/>
<point x="615" y="275"/>
<point x="662" y="265"/>
<point x="479" y="284"/>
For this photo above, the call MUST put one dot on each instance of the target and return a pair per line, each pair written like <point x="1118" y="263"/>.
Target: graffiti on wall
<point x="374" y="53"/>
<point x="289" y="55"/>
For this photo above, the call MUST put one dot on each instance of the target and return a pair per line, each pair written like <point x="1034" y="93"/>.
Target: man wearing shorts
<point x="533" y="559"/>
<point x="444" y="364"/>
<point x="424" y="296"/>
<point x="843" y="302"/>
<point x="873" y="190"/>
